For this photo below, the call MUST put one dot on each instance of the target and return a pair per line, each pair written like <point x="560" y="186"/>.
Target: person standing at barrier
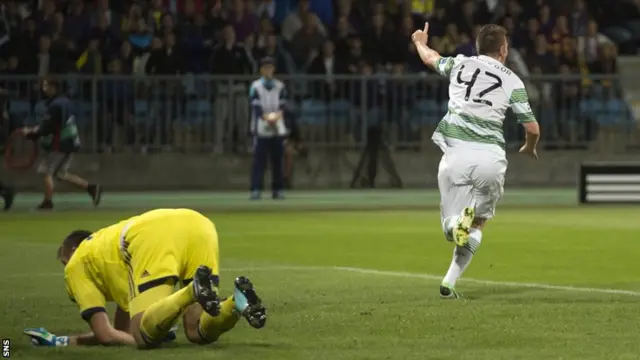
<point x="58" y="136"/>
<point x="268" y="97"/>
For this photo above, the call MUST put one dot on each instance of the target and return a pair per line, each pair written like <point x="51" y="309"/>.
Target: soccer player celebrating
<point x="58" y="136"/>
<point x="473" y="165"/>
<point x="137" y="263"/>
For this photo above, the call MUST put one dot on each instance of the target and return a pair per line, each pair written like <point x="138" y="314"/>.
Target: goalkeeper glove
<point x="41" y="337"/>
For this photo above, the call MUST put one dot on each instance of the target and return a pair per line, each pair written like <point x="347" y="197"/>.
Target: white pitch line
<point x="402" y="274"/>
<point x="489" y="282"/>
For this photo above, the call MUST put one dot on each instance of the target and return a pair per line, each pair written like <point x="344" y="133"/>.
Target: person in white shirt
<point x="268" y="99"/>
<point x="472" y="169"/>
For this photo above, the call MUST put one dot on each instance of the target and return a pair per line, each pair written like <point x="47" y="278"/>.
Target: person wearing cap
<point x="268" y="128"/>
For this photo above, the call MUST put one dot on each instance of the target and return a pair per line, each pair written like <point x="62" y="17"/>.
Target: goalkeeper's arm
<point x="105" y="334"/>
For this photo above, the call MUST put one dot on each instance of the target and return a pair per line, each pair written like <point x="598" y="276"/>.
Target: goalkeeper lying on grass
<point x="137" y="263"/>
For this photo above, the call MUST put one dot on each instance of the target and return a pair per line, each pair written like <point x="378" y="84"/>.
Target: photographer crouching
<point x="268" y="98"/>
<point x="7" y="126"/>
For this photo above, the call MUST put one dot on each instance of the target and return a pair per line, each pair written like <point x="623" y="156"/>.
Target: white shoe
<point x="461" y="229"/>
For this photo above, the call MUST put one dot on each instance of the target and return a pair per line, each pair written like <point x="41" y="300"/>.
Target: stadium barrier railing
<point x="212" y="112"/>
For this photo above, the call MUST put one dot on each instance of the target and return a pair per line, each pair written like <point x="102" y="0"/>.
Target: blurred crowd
<point x="320" y="37"/>
<point x="229" y="37"/>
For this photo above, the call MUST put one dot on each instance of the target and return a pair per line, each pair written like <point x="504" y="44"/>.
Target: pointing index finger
<point x="426" y="28"/>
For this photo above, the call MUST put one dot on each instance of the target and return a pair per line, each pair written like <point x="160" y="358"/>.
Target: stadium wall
<point x="324" y="170"/>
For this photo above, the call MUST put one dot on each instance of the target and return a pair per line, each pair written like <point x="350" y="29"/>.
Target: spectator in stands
<point x="305" y="44"/>
<point x="402" y="39"/>
<point x="345" y="9"/>
<point x="569" y="53"/>
<point x="10" y="21"/>
<point x="251" y="51"/>
<point x="50" y="60"/>
<point x="116" y="100"/>
<point x="243" y="21"/>
<point x="567" y="95"/>
<point x="265" y="30"/>
<point x="90" y="60"/>
<point x="355" y="58"/>
<point x="140" y="36"/>
<point x="106" y="34"/>
<point x="590" y="45"/>
<point x="155" y="14"/>
<point x="579" y="18"/>
<point x="542" y="57"/>
<point x="525" y="41"/>
<point x="545" y="20"/>
<point x="102" y="10"/>
<point x="437" y="22"/>
<point x="295" y="22"/>
<point x="560" y="30"/>
<point x="229" y="57"/>
<point x="44" y="16"/>
<point x="266" y="9"/>
<point x="126" y="58"/>
<point x="167" y="27"/>
<point x="329" y="64"/>
<point x="216" y="21"/>
<point x="341" y="36"/>
<point x="450" y="40"/>
<point x="278" y="54"/>
<point x="131" y="21"/>
<point x="377" y="42"/>
<point x="607" y="63"/>
<point x="400" y="96"/>
<point x="166" y="61"/>
<point x="77" y="22"/>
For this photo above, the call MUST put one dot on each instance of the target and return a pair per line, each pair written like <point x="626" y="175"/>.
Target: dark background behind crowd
<point x="319" y="37"/>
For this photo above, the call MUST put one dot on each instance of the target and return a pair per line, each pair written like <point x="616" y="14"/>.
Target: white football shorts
<point x="471" y="178"/>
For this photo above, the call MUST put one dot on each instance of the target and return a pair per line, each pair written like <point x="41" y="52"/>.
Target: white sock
<point x="462" y="258"/>
<point x="447" y="226"/>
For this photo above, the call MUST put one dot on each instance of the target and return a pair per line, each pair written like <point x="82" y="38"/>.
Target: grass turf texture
<point x="318" y="311"/>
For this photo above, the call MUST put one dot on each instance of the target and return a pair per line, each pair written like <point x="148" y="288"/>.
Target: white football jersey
<point x="481" y="90"/>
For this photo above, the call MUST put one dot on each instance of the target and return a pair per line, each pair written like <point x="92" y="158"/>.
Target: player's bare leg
<point x="94" y="190"/>
<point x="203" y="328"/>
<point x="47" y="202"/>
<point x="466" y="230"/>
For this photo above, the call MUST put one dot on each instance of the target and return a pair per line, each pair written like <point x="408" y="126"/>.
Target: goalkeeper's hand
<point x="41" y="337"/>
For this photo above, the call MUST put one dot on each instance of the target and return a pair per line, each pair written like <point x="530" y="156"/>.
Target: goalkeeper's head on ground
<point x="71" y="243"/>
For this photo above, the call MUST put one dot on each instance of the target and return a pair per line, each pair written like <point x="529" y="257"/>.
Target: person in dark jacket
<point x="59" y="138"/>
<point x="6" y="128"/>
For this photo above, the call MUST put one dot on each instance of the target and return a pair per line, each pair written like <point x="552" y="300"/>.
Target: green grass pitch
<point x="546" y="284"/>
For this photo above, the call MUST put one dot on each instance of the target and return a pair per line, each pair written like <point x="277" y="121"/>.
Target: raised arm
<point x="428" y="56"/>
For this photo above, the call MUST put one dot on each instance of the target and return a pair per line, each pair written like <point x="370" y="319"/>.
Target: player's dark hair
<point x="73" y="240"/>
<point x="490" y="39"/>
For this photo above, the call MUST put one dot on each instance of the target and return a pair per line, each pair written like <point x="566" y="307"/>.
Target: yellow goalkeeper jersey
<point x="95" y="274"/>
